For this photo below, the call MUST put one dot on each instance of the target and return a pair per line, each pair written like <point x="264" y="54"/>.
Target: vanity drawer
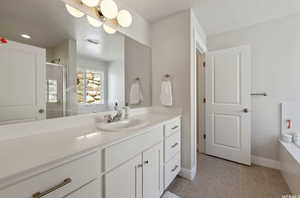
<point x="172" y="146"/>
<point x="172" y="168"/>
<point x="58" y="181"/>
<point x="91" y="190"/>
<point x="172" y="127"/>
<point x="121" y="152"/>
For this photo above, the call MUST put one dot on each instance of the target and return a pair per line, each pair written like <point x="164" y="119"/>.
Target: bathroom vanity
<point x="126" y="160"/>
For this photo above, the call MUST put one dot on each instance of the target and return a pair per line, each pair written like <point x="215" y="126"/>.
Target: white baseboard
<point x="187" y="173"/>
<point x="269" y="163"/>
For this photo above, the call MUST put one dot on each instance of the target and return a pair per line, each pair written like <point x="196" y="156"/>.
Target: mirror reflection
<point x="55" y="65"/>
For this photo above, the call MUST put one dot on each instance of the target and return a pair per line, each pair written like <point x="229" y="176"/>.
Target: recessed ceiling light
<point x="26" y="36"/>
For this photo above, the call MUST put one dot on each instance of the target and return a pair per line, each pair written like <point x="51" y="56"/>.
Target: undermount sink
<point x="122" y="125"/>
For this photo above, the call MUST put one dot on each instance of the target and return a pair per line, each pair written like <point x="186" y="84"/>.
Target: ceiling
<point x="48" y="23"/>
<point x="217" y="16"/>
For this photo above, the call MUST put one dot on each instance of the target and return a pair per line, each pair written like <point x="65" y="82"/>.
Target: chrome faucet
<point x="109" y="118"/>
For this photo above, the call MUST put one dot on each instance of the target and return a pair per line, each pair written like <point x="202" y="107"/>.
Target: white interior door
<point x="22" y="82"/>
<point x="228" y="104"/>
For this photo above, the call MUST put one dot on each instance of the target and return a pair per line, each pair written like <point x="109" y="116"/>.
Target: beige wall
<point x="275" y="70"/>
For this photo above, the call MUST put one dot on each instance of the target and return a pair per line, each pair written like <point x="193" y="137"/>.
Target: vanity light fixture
<point x="94" y="22"/>
<point x="26" y="36"/>
<point x="109" y="9"/>
<point x="74" y="12"/>
<point x="91" y="3"/>
<point x="124" y="18"/>
<point x="108" y="29"/>
<point x="107" y="14"/>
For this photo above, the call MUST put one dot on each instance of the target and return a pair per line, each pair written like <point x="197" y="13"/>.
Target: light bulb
<point x="91" y="3"/>
<point x="108" y="29"/>
<point x="124" y="18"/>
<point x="74" y="12"/>
<point x="94" y="22"/>
<point x="109" y="9"/>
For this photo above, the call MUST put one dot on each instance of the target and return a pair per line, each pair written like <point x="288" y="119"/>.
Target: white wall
<point x="85" y="63"/>
<point x="174" y="52"/>
<point x="138" y="63"/>
<point x="275" y="70"/>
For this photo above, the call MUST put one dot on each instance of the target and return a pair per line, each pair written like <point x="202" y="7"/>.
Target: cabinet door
<point x="126" y="180"/>
<point x="153" y="172"/>
<point x="91" y="190"/>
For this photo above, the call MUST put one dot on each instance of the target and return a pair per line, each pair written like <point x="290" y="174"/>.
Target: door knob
<point x="245" y="110"/>
<point x="41" y="110"/>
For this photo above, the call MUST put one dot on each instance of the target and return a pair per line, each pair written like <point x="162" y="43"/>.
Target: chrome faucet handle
<point x="108" y="118"/>
<point x="116" y="106"/>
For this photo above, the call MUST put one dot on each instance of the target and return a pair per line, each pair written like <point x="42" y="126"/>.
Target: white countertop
<point x="26" y="153"/>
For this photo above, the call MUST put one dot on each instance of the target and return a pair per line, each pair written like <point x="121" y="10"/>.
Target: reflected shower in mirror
<point x="55" y="65"/>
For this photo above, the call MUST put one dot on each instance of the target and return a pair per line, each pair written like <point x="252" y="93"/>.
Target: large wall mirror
<point x="55" y="65"/>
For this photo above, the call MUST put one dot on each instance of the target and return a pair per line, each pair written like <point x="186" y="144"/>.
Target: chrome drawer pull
<point x="175" y="127"/>
<point x="174" y="169"/>
<point x="174" y="145"/>
<point x="42" y="194"/>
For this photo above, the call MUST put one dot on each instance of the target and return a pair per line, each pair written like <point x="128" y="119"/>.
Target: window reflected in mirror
<point x="90" y="87"/>
<point x="52" y="91"/>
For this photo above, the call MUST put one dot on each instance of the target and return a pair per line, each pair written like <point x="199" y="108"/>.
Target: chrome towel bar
<point x="259" y="94"/>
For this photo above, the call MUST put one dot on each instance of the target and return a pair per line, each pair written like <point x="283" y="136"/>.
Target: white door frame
<point x="197" y="43"/>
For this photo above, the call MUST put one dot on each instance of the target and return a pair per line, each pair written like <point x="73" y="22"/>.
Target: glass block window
<point x="90" y="88"/>
<point x="52" y="91"/>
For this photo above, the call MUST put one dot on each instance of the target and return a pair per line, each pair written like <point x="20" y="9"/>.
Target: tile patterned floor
<point x="217" y="178"/>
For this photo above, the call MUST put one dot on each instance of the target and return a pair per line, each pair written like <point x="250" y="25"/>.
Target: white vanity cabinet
<point x="155" y="164"/>
<point x="90" y="190"/>
<point x="172" y="149"/>
<point x="57" y="181"/>
<point x="125" y="181"/>
<point x="153" y="172"/>
<point x="142" y="175"/>
<point x="139" y="166"/>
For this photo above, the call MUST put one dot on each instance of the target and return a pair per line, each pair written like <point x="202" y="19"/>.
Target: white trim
<point x="269" y="163"/>
<point x="187" y="173"/>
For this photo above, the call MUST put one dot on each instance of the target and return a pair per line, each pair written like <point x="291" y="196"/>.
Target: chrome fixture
<point x="109" y="118"/>
<point x="106" y="14"/>
<point x="259" y="94"/>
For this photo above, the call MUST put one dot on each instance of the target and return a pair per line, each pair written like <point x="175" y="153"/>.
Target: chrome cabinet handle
<point x="174" y="145"/>
<point x="174" y="169"/>
<point x="54" y="188"/>
<point x="175" y="127"/>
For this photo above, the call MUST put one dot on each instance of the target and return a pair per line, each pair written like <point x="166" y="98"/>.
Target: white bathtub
<point x="290" y="166"/>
